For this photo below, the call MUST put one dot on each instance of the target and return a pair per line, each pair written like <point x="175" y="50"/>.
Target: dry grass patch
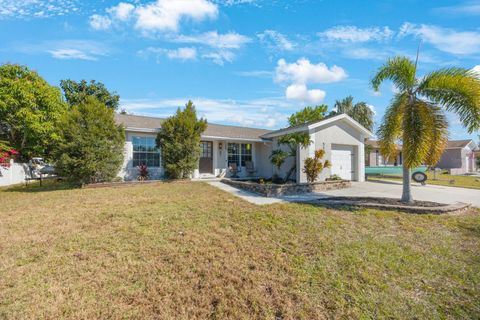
<point x="189" y="251"/>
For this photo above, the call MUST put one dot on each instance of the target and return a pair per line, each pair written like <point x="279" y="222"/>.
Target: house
<point x="340" y="136"/>
<point x="458" y="157"/>
<point x="375" y="158"/>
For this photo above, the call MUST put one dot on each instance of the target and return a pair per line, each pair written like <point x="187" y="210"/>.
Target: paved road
<point x="385" y="189"/>
<point x="389" y="189"/>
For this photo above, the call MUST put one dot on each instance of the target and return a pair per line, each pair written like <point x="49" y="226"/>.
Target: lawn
<point x="190" y="251"/>
<point x="441" y="179"/>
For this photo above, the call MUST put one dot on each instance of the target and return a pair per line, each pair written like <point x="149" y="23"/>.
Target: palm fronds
<point x="456" y="89"/>
<point x="400" y="70"/>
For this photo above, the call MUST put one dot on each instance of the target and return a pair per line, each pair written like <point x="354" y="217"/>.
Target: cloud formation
<point x="301" y="93"/>
<point x="275" y="40"/>
<point x="37" y="8"/>
<point x="355" y="34"/>
<point x="182" y="54"/>
<point x="444" y="39"/>
<point x="303" y="71"/>
<point x="157" y="16"/>
<point x="68" y="49"/>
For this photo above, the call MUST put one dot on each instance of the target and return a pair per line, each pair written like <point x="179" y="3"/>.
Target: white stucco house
<point x="340" y="136"/>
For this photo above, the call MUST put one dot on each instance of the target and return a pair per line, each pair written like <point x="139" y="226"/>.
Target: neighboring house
<point x="458" y="157"/>
<point x="376" y="159"/>
<point x="221" y="145"/>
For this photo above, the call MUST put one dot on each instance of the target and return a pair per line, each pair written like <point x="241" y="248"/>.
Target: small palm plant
<point x="416" y="115"/>
<point x="313" y="166"/>
<point x="292" y="141"/>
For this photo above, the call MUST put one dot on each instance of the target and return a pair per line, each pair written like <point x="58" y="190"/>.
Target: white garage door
<point x="342" y="162"/>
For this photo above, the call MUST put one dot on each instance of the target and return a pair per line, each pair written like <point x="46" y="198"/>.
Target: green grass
<point x="190" y="251"/>
<point x="441" y="179"/>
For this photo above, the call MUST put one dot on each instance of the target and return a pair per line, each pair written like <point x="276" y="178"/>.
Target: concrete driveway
<point x="392" y="189"/>
<point x="384" y="189"/>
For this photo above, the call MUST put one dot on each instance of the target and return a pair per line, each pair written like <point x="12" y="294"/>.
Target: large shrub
<point x="77" y="92"/>
<point x="313" y="166"/>
<point x="29" y="111"/>
<point x="179" y="142"/>
<point x="91" y="145"/>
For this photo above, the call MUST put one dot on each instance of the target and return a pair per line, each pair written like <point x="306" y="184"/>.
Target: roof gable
<point x="316" y="124"/>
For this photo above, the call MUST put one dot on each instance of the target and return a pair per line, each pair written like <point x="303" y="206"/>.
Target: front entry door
<point x="206" y="157"/>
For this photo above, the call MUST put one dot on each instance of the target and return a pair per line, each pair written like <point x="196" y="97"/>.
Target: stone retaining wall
<point x="273" y="190"/>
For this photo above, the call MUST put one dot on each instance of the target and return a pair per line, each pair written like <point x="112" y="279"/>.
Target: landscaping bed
<point x="426" y="207"/>
<point x="274" y="190"/>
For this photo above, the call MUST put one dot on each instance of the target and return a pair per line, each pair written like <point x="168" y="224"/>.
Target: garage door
<point x="342" y="162"/>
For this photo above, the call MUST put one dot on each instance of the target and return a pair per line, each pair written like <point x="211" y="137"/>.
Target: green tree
<point x="91" y="144"/>
<point x="179" y="142"/>
<point x="76" y="92"/>
<point x="29" y="111"/>
<point x="359" y="111"/>
<point x="308" y="114"/>
<point x="416" y="115"/>
<point x="294" y="140"/>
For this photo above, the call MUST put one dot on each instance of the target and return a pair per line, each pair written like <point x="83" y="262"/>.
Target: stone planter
<point x="275" y="190"/>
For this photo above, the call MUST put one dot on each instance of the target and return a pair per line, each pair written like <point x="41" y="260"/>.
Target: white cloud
<point x="67" y="49"/>
<point x="37" y="8"/>
<point x="183" y="54"/>
<point x="469" y="8"/>
<point x="355" y="34"/>
<point x="161" y="15"/>
<point x="99" y="22"/>
<point x="71" y="54"/>
<point x="447" y="40"/>
<point x="231" y="40"/>
<point x="301" y="93"/>
<point x="256" y="73"/>
<point x="303" y="71"/>
<point x="122" y="12"/>
<point x="275" y="40"/>
<point x="263" y="113"/>
<point x="220" y="57"/>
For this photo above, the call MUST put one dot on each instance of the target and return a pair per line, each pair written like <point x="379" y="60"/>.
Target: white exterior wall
<point x="260" y="155"/>
<point x="128" y="171"/>
<point x="15" y="174"/>
<point x="337" y="133"/>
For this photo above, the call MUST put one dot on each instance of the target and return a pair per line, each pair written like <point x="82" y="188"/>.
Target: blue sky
<point x="243" y="62"/>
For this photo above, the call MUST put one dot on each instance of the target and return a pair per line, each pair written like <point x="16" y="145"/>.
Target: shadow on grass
<point x="333" y="206"/>
<point x="46" y="186"/>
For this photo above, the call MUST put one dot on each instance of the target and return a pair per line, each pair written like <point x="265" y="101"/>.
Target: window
<point x="205" y="149"/>
<point x="145" y="151"/>
<point x="239" y="153"/>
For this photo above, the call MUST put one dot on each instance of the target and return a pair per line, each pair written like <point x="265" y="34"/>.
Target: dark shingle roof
<point x="213" y="130"/>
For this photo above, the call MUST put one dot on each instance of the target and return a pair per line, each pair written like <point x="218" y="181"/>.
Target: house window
<point x="145" y="151"/>
<point x="239" y="153"/>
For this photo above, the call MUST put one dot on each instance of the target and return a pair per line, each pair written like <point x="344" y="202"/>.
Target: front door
<point x="206" y="157"/>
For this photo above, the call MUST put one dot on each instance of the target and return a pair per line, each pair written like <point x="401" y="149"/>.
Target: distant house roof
<point x="458" y="144"/>
<point x="153" y="124"/>
<point x="318" y="123"/>
<point x="451" y="144"/>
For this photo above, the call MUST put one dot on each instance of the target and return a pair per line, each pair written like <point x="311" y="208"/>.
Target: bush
<point x="179" y="142"/>
<point x="143" y="173"/>
<point x="313" y="166"/>
<point x="91" y="144"/>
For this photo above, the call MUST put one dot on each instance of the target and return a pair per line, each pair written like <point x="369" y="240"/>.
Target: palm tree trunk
<point x="407" y="190"/>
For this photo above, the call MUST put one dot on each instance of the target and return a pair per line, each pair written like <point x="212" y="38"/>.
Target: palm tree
<point x="359" y="111"/>
<point x="416" y="115"/>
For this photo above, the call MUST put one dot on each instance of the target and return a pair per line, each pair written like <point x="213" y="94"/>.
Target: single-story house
<point x="458" y="157"/>
<point x="340" y="136"/>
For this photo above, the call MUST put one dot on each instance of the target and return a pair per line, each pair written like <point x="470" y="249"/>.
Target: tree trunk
<point x="407" y="190"/>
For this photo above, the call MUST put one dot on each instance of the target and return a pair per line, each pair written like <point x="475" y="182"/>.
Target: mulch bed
<point x="419" y="207"/>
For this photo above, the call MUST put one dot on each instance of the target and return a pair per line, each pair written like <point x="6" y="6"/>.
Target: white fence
<point x="13" y="175"/>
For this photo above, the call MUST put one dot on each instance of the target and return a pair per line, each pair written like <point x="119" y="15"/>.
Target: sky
<point x="242" y="62"/>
